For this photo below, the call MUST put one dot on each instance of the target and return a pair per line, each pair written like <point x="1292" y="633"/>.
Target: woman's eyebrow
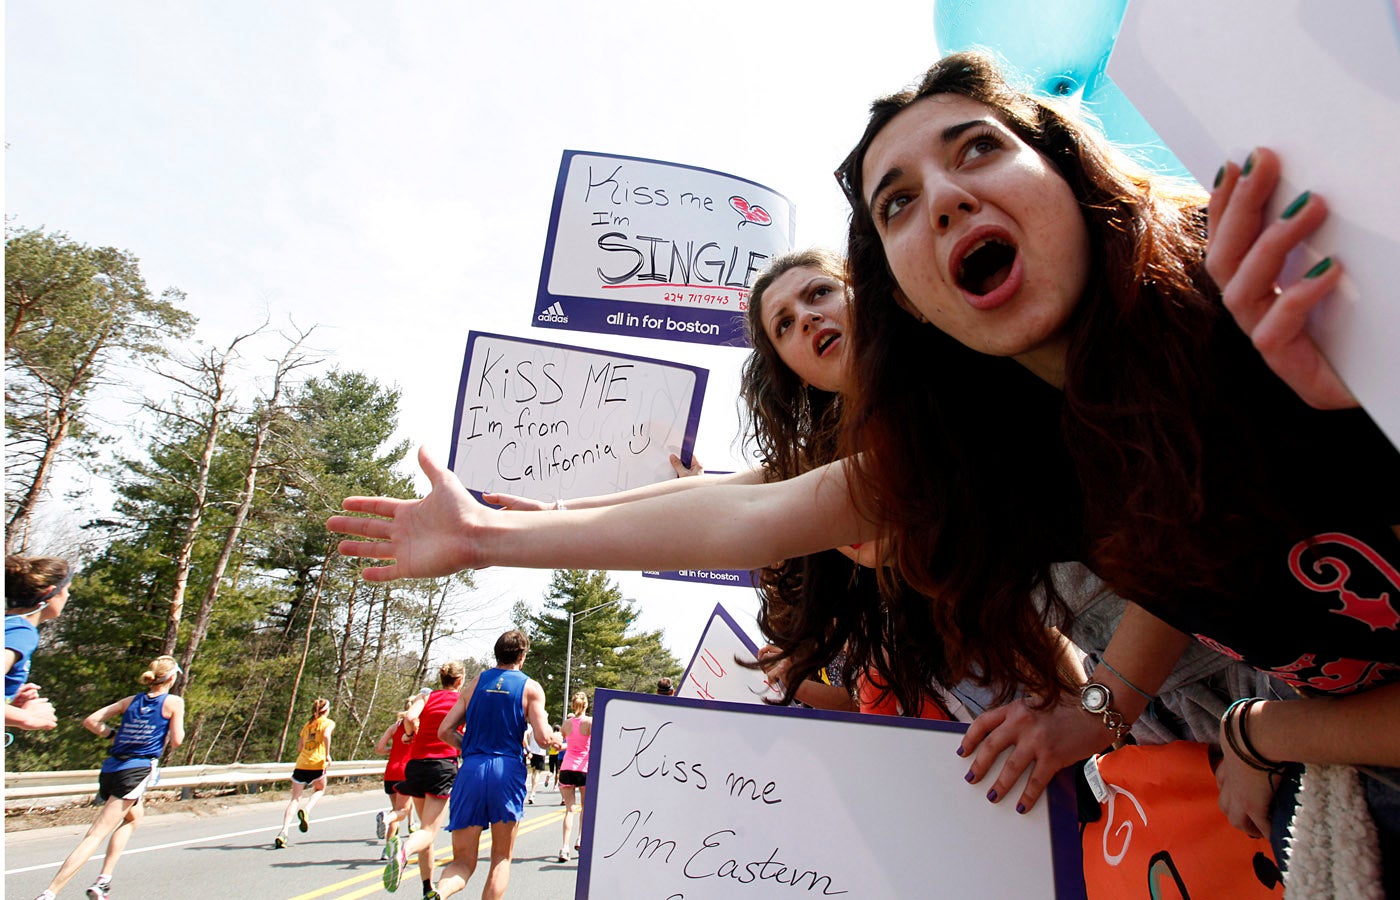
<point x="947" y="136"/>
<point x="952" y="132"/>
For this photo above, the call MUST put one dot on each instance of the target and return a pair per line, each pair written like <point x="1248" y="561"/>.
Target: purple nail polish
<point x="1021" y="808"/>
<point x="959" y="751"/>
<point x="969" y="776"/>
<point x="992" y="795"/>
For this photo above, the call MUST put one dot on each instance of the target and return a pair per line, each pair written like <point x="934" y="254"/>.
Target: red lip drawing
<point x="752" y="214"/>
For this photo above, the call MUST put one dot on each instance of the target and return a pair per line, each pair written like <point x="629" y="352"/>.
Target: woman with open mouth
<point x="1043" y="370"/>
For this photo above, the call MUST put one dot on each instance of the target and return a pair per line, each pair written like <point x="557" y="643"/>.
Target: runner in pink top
<point x="573" y="771"/>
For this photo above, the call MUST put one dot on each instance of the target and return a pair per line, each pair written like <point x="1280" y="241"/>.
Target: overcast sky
<point x="385" y="170"/>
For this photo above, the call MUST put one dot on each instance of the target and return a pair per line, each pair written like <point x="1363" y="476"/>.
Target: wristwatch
<point x="1097" y="699"/>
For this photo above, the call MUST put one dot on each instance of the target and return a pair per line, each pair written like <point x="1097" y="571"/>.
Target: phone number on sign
<point x="707" y="299"/>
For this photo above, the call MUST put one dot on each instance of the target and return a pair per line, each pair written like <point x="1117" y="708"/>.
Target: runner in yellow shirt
<point x="313" y="758"/>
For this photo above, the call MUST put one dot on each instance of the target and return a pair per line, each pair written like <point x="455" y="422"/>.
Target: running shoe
<point x="279" y="842"/>
<point x="302" y="824"/>
<point x="432" y="895"/>
<point x="563" y="854"/>
<point x="391" y="847"/>
<point x="380" y="829"/>
<point x="100" y="890"/>
<point x="46" y="895"/>
<point x="530" y="799"/>
<point x="393" y="872"/>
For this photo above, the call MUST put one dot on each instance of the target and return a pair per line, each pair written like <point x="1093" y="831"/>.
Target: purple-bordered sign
<point x="645" y="248"/>
<point x="714" y="674"/>
<point x="705" y="800"/>
<point x="549" y="421"/>
<point x="730" y="577"/>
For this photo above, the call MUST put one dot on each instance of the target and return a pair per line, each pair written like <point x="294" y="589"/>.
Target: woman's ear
<point x="908" y="307"/>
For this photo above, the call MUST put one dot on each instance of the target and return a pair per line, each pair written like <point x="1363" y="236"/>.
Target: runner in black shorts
<point x="149" y="721"/>
<point x="554" y="757"/>
<point x="427" y="778"/>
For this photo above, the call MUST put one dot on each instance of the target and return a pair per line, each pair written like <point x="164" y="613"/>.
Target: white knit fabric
<point x="1333" y="850"/>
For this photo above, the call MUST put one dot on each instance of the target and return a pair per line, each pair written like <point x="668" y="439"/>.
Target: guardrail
<point x="73" y="782"/>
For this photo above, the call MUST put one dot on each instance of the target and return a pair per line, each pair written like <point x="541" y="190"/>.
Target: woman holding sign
<point x="792" y="387"/>
<point x="1084" y="394"/>
<point x="1045" y="371"/>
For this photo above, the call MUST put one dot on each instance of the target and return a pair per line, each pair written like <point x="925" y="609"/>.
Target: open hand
<point x="1246" y="256"/>
<point x="1042" y="741"/>
<point x="427" y="538"/>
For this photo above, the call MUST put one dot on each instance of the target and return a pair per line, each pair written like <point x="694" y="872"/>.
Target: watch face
<point x="1094" y="698"/>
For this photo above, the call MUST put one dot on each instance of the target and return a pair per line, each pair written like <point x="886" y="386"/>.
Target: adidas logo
<point x="554" y="313"/>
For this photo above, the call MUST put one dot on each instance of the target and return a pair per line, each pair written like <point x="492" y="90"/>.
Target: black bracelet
<point x="1233" y="720"/>
<point x="1266" y="764"/>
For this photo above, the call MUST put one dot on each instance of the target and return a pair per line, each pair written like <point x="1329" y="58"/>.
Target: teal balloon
<point x="1127" y="128"/>
<point x="1059" y="48"/>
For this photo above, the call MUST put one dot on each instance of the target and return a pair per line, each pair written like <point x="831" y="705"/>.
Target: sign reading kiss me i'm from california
<point x="654" y="249"/>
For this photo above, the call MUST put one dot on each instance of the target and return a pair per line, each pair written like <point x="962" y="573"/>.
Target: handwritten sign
<point x="694" y="800"/>
<point x="713" y="673"/>
<point x="549" y="421"/>
<point x="1242" y="89"/>
<point x="654" y="249"/>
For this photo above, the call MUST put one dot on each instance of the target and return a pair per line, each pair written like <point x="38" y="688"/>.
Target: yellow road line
<point x="440" y="855"/>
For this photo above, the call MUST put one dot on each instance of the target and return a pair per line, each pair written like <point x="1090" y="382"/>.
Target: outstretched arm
<point x="656" y="489"/>
<point x="1246" y="256"/>
<point x="727" y="526"/>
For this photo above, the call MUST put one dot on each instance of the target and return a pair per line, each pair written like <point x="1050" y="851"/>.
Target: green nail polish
<point x="1219" y="177"/>
<point x="1248" y="165"/>
<point x="1318" y="269"/>
<point x="1296" y="205"/>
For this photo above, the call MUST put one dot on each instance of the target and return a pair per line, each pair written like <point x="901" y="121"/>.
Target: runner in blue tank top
<point x="149" y="720"/>
<point x="490" y="789"/>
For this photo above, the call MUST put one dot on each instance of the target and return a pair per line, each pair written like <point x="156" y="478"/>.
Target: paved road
<point x="230" y="855"/>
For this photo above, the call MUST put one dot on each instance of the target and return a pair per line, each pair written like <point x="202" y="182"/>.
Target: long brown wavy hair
<point x="790" y="427"/>
<point x="815" y="608"/>
<point x="981" y="475"/>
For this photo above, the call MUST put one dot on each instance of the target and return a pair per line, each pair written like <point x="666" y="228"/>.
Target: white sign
<point x="714" y="674"/>
<point x="1320" y="84"/>
<point x="654" y="249"/>
<point x="549" y="421"/>
<point x="692" y="800"/>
